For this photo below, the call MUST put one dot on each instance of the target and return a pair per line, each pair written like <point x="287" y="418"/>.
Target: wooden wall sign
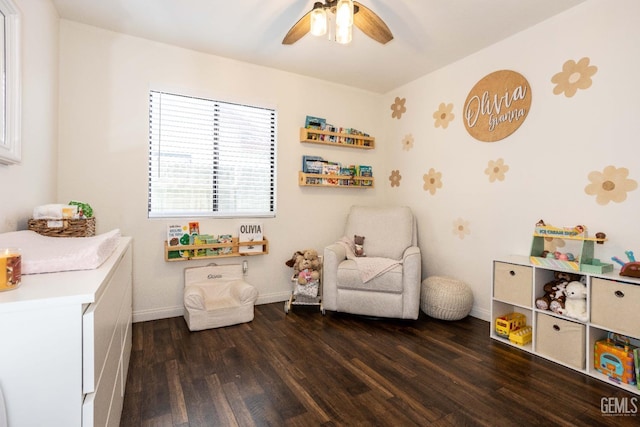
<point x="497" y="106"/>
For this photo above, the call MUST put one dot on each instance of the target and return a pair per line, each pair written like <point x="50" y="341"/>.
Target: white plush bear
<point x="575" y="305"/>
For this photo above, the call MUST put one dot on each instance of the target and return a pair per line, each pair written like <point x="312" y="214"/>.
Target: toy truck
<point x="510" y="322"/>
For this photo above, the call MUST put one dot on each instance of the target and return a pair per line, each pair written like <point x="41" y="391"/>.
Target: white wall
<point x="549" y="157"/>
<point x="105" y="78"/>
<point x="33" y="182"/>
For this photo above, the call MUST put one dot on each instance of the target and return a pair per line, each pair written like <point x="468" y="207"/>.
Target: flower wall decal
<point x="398" y="108"/>
<point x="461" y="228"/>
<point x="395" y="178"/>
<point x="610" y="185"/>
<point x="407" y="142"/>
<point x="496" y="170"/>
<point x="444" y="115"/>
<point x="574" y="76"/>
<point x="432" y="181"/>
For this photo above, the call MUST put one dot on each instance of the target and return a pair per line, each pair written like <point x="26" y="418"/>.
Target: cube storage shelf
<point x="234" y="245"/>
<point x="612" y="306"/>
<point x="317" y="136"/>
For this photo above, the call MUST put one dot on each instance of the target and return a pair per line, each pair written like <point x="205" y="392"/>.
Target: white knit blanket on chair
<point x="369" y="267"/>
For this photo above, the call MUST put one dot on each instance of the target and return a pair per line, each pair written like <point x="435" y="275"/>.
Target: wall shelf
<point x="341" y="181"/>
<point x="317" y="136"/>
<point x="195" y="250"/>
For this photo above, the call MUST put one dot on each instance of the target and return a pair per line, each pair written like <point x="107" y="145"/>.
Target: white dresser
<point x="65" y="342"/>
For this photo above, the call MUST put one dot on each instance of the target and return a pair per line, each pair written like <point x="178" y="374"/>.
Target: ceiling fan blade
<point x="371" y="24"/>
<point x="298" y="30"/>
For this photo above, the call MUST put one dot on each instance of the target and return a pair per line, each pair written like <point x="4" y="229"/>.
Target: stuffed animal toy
<point x="553" y="298"/>
<point x="575" y="305"/>
<point x="294" y="260"/>
<point x="307" y="266"/>
<point x="359" y="245"/>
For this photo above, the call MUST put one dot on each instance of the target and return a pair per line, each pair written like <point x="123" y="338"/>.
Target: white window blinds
<point x="210" y="158"/>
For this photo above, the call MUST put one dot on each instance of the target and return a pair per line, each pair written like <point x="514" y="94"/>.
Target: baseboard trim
<point x="168" y="312"/>
<point x="482" y="314"/>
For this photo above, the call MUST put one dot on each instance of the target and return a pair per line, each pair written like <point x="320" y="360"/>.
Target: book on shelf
<point x="330" y="128"/>
<point x="312" y="122"/>
<point x="347" y="174"/>
<point x="365" y="171"/>
<point x="250" y="232"/>
<point x="330" y="168"/>
<point x="312" y="164"/>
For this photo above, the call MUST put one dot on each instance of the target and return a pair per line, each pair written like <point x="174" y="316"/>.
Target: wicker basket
<point x="64" y="227"/>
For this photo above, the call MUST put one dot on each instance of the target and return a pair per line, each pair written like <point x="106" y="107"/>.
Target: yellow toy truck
<point x="510" y="322"/>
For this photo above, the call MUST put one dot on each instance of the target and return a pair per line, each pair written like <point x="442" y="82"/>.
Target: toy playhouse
<point x="582" y="260"/>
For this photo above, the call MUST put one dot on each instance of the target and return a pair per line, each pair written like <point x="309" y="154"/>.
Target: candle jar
<point x="10" y="269"/>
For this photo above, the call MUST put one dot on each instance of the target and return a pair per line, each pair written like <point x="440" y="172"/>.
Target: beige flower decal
<point x="444" y="115"/>
<point x="496" y="170"/>
<point x="461" y="228"/>
<point x="395" y="178"/>
<point x="610" y="185"/>
<point x="573" y="76"/>
<point x="398" y="108"/>
<point x="407" y="142"/>
<point x="432" y="181"/>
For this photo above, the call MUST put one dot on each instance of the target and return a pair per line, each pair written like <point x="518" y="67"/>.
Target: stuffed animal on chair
<point x="359" y="245"/>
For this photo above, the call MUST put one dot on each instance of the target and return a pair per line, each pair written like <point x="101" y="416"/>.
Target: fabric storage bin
<point x="561" y="340"/>
<point x="513" y="283"/>
<point x="614" y="305"/>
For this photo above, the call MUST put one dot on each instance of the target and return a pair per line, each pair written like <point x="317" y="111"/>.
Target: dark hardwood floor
<point x="305" y="369"/>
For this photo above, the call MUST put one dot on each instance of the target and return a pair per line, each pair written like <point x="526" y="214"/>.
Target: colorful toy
<point x="582" y="261"/>
<point x="521" y="336"/>
<point x="631" y="268"/>
<point x="614" y="358"/>
<point x="510" y="322"/>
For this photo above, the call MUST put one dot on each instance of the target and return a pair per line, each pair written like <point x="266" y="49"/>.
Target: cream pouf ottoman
<point x="445" y="298"/>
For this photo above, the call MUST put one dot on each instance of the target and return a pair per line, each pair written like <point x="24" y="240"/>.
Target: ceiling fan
<point x="347" y="13"/>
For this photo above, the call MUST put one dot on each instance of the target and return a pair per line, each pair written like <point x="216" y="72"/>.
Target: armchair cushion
<point x="350" y="277"/>
<point x="387" y="231"/>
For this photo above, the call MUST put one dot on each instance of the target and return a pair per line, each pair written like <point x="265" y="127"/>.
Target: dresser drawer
<point x="616" y="305"/>
<point x="561" y="340"/>
<point x="513" y="283"/>
<point x="100" y="328"/>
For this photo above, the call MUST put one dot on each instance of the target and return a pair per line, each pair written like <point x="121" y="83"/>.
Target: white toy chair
<point x="216" y="296"/>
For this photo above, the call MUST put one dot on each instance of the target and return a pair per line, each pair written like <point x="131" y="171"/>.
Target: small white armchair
<point x="386" y="283"/>
<point x="216" y="296"/>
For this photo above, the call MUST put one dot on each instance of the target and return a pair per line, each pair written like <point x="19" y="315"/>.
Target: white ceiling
<point x="428" y="34"/>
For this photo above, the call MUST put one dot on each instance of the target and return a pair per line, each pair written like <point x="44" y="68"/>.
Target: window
<point x="210" y="158"/>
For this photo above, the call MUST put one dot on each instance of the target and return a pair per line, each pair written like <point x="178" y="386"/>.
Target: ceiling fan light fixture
<point x="344" y="33"/>
<point x="344" y="13"/>
<point x="318" y="25"/>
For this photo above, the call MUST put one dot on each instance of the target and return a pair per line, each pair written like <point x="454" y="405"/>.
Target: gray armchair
<point x="385" y="283"/>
